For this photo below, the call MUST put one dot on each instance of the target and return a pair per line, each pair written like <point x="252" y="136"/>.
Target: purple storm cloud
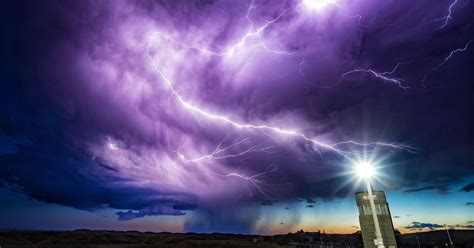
<point x="173" y="106"/>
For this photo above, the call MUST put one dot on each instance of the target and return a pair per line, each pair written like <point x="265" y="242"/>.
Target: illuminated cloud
<point x="167" y="108"/>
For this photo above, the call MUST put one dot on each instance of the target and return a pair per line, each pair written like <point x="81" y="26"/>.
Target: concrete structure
<point x="367" y="222"/>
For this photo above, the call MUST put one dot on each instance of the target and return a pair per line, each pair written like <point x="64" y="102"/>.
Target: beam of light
<point x="384" y="76"/>
<point x="365" y="166"/>
<point x="448" y="16"/>
<point x="364" y="169"/>
<point x="445" y="60"/>
<point x="220" y="152"/>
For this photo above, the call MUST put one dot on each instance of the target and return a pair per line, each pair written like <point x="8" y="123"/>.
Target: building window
<point x="380" y="209"/>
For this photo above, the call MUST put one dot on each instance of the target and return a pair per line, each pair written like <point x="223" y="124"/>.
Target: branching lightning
<point x="393" y="145"/>
<point x="220" y="152"/>
<point x="224" y="119"/>
<point x="445" y="60"/>
<point x="255" y="181"/>
<point x="385" y="76"/>
<point x="241" y="42"/>
<point x="448" y="16"/>
<point x="256" y="32"/>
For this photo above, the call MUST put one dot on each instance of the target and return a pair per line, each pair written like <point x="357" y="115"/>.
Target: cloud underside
<point x="88" y="121"/>
<point x="433" y="226"/>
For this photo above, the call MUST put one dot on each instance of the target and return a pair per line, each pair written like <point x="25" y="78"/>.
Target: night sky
<point x="235" y="116"/>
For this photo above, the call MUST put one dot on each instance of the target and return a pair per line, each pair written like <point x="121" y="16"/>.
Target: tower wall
<point x="367" y="223"/>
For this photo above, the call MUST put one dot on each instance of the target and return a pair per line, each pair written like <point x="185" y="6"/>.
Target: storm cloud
<point x="468" y="187"/>
<point x="159" y="108"/>
<point x="419" y="225"/>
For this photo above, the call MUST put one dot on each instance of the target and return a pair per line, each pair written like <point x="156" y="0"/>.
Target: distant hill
<point x="117" y="239"/>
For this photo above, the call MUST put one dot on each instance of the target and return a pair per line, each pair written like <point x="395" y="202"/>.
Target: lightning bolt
<point x="220" y="151"/>
<point x="448" y="16"/>
<point x="255" y="181"/>
<point x="445" y="60"/>
<point x="223" y="119"/>
<point x="274" y="51"/>
<point x="256" y="32"/>
<point x="242" y="125"/>
<point x="393" y="145"/>
<point x="241" y="42"/>
<point x="384" y="76"/>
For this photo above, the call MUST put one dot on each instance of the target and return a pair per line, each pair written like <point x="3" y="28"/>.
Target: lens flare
<point x="365" y="169"/>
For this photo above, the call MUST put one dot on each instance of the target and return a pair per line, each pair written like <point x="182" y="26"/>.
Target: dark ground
<point x="114" y="239"/>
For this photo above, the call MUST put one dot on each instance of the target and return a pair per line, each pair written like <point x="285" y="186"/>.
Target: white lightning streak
<point x="381" y="75"/>
<point x="393" y="145"/>
<point x="243" y="40"/>
<point x="445" y="60"/>
<point x="219" y="153"/>
<point x="242" y="125"/>
<point x="254" y="181"/>
<point x="448" y="16"/>
<point x="257" y="32"/>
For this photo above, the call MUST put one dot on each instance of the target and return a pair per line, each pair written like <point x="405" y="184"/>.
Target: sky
<point x="235" y="116"/>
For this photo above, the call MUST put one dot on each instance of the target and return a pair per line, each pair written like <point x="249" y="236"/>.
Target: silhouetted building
<point x="367" y="222"/>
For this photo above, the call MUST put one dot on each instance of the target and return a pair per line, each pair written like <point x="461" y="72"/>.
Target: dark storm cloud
<point x="468" y="187"/>
<point x="419" y="225"/>
<point x="433" y="226"/>
<point x="441" y="189"/>
<point x="59" y="104"/>
<point x="149" y="211"/>
<point x="468" y="226"/>
<point x="266" y="203"/>
<point x="69" y="177"/>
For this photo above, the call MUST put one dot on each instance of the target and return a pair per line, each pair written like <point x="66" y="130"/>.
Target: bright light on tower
<point x="365" y="169"/>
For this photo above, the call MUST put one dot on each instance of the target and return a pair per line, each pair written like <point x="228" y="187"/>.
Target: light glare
<point x="318" y="4"/>
<point x="365" y="169"/>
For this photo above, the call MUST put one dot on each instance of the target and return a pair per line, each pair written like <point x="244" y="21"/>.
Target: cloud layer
<point x="145" y="107"/>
